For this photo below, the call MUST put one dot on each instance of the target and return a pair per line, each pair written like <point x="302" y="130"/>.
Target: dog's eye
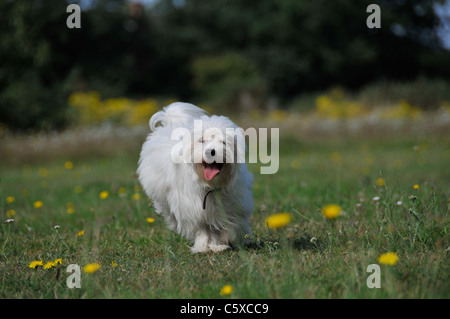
<point x="224" y="143"/>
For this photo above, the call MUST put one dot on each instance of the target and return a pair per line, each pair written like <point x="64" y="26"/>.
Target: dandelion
<point x="68" y="165"/>
<point x="70" y="210"/>
<point x="78" y="189"/>
<point x="150" y="220"/>
<point x="57" y="261"/>
<point x="114" y="264"/>
<point x="388" y="259"/>
<point x="80" y="233"/>
<point x="122" y="192"/>
<point x="57" y="227"/>
<point x="10" y="213"/>
<point x="49" y="265"/>
<point x="38" y="204"/>
<point x="35" y="263"/>
<point x="295" y="164"/>
<point x="43" y="172"/>
<point x="416" y="186"/>
<point x="91" y="268"/>
<point x="226" y="290"/>
<point x="104" y="195"/>
<point x="278" y="220"/>
<point x="336" y="158"/>
<point x="10" y="199"/>
<point x="331" y="211"/>
<point x="136" y="196"/>
<point x="380" y="182"/>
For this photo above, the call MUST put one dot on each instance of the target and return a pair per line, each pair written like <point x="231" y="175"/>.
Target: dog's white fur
<point x="179" y="189"/>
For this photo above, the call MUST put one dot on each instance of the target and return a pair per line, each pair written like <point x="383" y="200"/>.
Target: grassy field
<point x="371" y="178"/>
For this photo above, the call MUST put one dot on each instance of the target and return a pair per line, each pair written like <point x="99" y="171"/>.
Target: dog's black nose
<point x="213" y="152"/>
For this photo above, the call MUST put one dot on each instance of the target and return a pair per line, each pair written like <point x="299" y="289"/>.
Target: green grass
<point x="156" y="263"/>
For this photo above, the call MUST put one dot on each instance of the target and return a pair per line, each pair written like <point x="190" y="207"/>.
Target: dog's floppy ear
<point x="175" y="114"/>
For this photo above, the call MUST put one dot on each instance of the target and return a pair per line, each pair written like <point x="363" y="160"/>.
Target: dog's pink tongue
<point x="210" y="172"/>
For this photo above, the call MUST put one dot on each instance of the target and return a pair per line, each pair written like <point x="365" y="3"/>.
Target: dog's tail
<point x="175" y="113"/>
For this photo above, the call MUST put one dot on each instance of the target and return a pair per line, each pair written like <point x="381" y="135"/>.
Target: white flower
<point x="399" y="202"/>
<point x="313" y="240"/>
<point x="9" y="221"/>
<point x="376" y="198"/>
<point x="57" y="226"/>
<point x="358" y="205"/>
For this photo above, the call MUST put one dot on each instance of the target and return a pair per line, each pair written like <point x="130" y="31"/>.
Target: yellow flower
<point x="91" y="268"/>
<point x="104" y="195"/>
<point x="80" y="233"/>
<point x="121" y="191"/>
<point x="68" y="165"/>
<point x="57" y="261"/>
<point x="336" y="157"/>
<point x="70" y="209"/>
<point x="295" y="164"/>
<point x="10" y="199"/>
<point x="416" y="186"/>
<point x="388" y="259"/>
<point x="10" y="213"/>
<point x="114" y="264"/>
<point x="150" y="220"/>
<point x="278" y="220"/>
<point x="49" y="265"/>
<point x="380" y="182"/>
<point x="136" y="196"/>
<point x="78" y="189"/>
<point x="35" y="263"/>
<point x="226" y="290"/>
<point x="331" y="211"/>
<point x="43" y="172"/>
<point x="38" y="204"/>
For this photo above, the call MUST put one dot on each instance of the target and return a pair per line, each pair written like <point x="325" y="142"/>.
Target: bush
<point x="91" y="109"/>
<point x="426" y="94"/>
<point x="229" y="80"/>
<point x="27" y="103"/>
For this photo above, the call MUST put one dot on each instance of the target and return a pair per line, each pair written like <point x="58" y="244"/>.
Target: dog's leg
<point x="201" y="241"/>
<point x="219" y="242"/>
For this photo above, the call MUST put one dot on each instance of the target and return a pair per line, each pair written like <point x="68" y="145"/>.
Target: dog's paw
<point x="199" y="249"/>
<point x="218" y="248"/>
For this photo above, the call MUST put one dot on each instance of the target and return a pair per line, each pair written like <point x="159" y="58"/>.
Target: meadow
<point x="73" y="200"/>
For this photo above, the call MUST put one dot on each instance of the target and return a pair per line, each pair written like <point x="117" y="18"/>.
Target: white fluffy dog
<point x="189" y="167"/>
